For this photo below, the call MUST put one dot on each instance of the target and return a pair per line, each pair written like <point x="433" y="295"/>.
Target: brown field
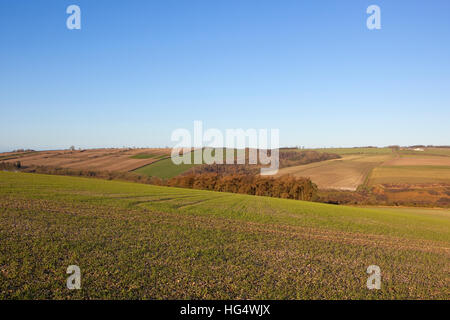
<point x="343" y="174"/>
<point x="409" y="174"/>
<point x="428" y="167"/>
<point x="418" y="161"/>
<point x="91" y="159"/>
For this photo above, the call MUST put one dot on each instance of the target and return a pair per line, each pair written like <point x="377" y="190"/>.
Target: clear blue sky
<point x="139" y="69"/>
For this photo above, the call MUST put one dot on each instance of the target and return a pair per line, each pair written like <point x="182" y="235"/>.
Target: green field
<point x="164" y="169"/>
<point x="141" y="241"/>
<point x="149" y="156"/>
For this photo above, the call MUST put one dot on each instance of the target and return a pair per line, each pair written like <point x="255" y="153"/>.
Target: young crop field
<point x="141" y="241"/>
<point x="149" y="156"/>
<point x="166" y="168"/>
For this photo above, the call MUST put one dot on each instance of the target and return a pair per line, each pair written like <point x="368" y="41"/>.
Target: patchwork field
<point x="358" y="166"/>
<point x="412" y="169"/>
<point x="122" y="160"/>
<point x="344" y="174"/>
<point x="371" y="166"/>
<point x="140" y="241"/>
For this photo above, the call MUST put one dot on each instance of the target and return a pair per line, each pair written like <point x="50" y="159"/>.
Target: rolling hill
<point x="150" y="242"/>
<point x="372" y="166"/>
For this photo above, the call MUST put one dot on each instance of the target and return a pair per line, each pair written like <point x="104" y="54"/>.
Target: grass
<point x="410" y="174"/>
<point x="139" y="241"/>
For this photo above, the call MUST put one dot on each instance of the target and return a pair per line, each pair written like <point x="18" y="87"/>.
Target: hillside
<point x="140" y="241"/>
<point x="393" y="176"/>
<point x="121" y="160"/>
<point x="377" y="166"/>
<point x="356" y="167"/>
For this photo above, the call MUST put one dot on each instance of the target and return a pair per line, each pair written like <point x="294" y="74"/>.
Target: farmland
<point x="357" y="151"/>
<point x="410" y="174"/>
<point x="344" y="174"/>
<point x="412" y="169"/>
<point x="150" y="242"/>
<point x="426" y="152"/>
<point x="121" y="160"/>
<point x="357" y="167"/>
<point x="164" y="169"/>
<point x="372" y="166"/>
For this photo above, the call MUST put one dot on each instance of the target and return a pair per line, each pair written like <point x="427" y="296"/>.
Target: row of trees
<point x="224" y="169"/>
<point x="287" y="187"/>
